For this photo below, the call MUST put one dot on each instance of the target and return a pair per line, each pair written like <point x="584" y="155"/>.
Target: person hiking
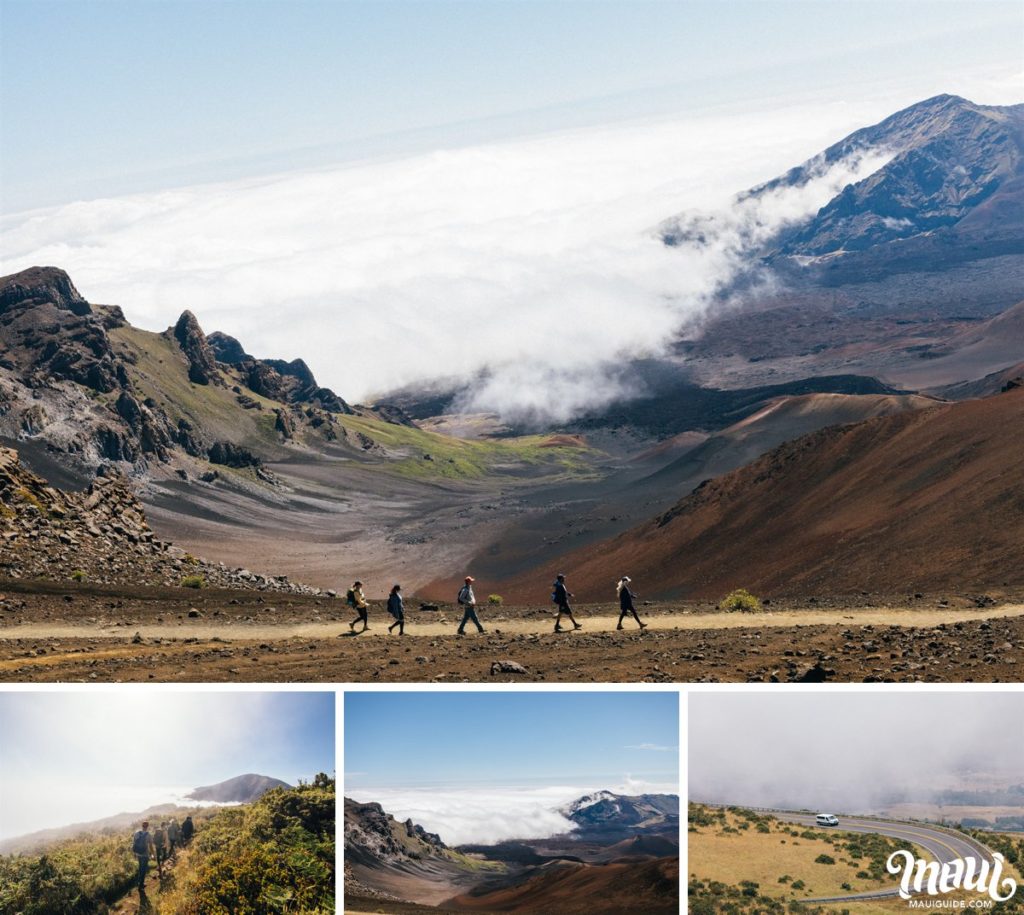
<point x="561" y="597"/>
<point x="626" y="605"/>
<point x="143" y="849"/>
<point x="396" y="607"/>
<point x="160" y="843"/>
<point x="467" y="600"/>
<point x="173" y="836"/>
<point x="357" y="601"/>
<point x="187" y="830"/>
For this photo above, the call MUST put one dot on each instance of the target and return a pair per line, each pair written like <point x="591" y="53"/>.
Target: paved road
<point x="943" y="845"/>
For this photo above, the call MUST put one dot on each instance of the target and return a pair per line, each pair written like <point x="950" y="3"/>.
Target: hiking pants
<point x="143" y="867"/>
<point x="469" y="616"/>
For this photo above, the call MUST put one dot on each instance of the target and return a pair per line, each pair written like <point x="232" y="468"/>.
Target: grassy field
<point x="762" y="860"/>
<point x="421" y="454"/>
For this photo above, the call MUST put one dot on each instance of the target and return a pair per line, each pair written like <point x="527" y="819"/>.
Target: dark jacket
<point x="561" y="594"/>
<point x="396" y="606"/>
<point x="626" y="599"/>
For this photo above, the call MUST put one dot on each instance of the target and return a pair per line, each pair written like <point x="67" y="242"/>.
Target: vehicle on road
<point x="826" y="819"/>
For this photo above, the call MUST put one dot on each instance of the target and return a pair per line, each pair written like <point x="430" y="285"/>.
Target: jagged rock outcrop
<point x="48" y="333"/>
<point x="227" y="349"/>
<point x="283" y="423"/>
<point x="374" y="837"/>
<point x="202" y="366"/>
<point x="229" y="454"/>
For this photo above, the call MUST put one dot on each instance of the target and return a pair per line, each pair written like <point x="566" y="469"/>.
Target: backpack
<point x="554" y="597"/>
<point x="462" y="595"/>
<point x="139" y="844"/>
<point x="350" y="598"/>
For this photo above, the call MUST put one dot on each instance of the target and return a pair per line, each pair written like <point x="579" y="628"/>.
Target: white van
<point x="826" y="819"/>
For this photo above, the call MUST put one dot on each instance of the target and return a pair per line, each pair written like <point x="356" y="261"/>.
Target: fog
<point x="849" y="752"/>
<point x="486" y="814"/>
<point x="534" y="259"/>
<point x="75" y="757"/>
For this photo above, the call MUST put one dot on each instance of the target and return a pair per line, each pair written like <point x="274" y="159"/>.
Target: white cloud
<point x="533" y="258"/>
<point x="478" y="814"/>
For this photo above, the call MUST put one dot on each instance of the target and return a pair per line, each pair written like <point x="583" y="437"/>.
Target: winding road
<point x="944" y="845"/>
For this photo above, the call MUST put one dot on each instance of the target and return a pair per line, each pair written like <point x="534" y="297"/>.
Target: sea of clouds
<point x="534" y="259"/>
<point x="484" y="814"/>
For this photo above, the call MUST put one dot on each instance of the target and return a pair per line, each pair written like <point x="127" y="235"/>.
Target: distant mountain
<point x="238" y="790"/>
<point x="615" y="817"/>
<point x="953" y="191"/>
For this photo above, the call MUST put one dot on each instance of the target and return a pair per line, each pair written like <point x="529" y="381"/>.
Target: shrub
<point x="495" y="599"/>
<point x="824" y="859"/>
<point x="193" y="581"/>
<point x="78" y="575"/>
<point x="741" y="600"/>
<point x="798" y="884"/>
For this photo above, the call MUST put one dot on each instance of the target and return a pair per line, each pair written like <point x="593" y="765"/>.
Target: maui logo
<point x="920" y="876"/>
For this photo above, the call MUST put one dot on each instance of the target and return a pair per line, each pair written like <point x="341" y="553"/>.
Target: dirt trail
<point x="132" y="904"/>
<point x="535" y="625"/>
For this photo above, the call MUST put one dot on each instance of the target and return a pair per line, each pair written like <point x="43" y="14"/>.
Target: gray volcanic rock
<point x="202" y="366"/>
<point x="238" y="790"/>
<point x="608" y="815"/>
<point x="48" y="331"/>
<point x="952" y="191"/>
<point x="227" y="349"/>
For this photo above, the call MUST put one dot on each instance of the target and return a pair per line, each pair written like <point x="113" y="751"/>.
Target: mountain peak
<point x="238" y="790"/>
<point x="38" y="285"/>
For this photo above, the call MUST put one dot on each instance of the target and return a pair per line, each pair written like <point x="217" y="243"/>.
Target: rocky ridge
<point x="99" y="536"/>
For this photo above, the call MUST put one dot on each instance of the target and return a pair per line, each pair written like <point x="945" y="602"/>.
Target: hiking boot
<point x="643" y="625"/>
<point x="460" y="632"/>
<point x="558" y="628"/>
<point x="619" y="626"/>
<point x="577" y="625"/>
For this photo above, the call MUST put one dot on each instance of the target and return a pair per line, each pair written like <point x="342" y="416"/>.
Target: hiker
<point x="143" y="849"/>
<point x="173" y="836"/>
<point x="626" y="605"/>
<point x="561" y="596"/>
<point x="467" y="600"/>
<point x="396" y="607"/>
<point x="187" y="829"/>
<point x="160" y="843"/>
<point x="357" y="601"/>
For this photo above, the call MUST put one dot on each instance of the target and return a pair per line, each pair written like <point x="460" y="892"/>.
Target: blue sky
<point x="521" y="738"/>
<point x="106" y="97"/>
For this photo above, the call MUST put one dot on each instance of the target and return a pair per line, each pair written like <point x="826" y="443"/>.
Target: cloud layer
<point x="478" y="814"/>
<point x="849" y="752"/>
<point x="531" y="259"/>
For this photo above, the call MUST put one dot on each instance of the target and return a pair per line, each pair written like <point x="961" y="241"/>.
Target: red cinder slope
<point x="922" y="500"/>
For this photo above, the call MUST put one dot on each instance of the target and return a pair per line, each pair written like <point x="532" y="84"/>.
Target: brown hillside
<point x="925" y="499"/>
<point x="586" y="889"/>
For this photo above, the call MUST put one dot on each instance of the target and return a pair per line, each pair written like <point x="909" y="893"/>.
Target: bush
<point x="824" y="859"/>
<point x="193" y="581"/>
<point x="741" y="600"/>
<point x="495" y="599"/>
<point x="78" y="575"/>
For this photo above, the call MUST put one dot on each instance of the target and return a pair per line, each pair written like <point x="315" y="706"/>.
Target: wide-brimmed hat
<point x="470" y="578"/>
